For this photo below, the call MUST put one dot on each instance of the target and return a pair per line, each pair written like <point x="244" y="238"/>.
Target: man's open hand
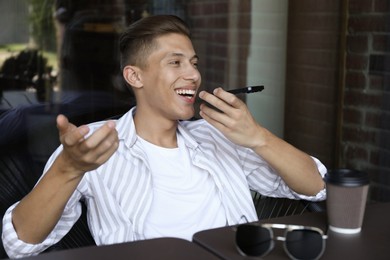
<point x="82" y="153"/>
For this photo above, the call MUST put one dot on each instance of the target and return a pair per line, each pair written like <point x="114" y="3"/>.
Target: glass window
<point x="324" y="65"/>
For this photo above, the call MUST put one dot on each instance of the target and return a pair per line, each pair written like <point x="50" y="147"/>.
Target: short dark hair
<point x="138" y="40"/>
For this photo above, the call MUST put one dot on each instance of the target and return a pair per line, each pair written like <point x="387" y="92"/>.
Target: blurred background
<point x="325" y="66"/>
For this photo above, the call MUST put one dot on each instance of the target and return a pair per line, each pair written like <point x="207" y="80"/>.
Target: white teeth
<point x="185" y="92"/>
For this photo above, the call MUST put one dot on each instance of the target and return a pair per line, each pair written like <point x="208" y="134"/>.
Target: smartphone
<point x="247" y="90"/>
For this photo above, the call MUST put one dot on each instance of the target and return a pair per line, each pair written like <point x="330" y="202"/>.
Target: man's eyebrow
<point x="178" y="54"/>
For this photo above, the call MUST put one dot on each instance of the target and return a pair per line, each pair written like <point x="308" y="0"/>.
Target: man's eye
<point x="175" y="62"/>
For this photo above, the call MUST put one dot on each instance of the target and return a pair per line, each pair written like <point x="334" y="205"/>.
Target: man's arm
<point x="296" y="168"/>
<point x="37" y="214"/>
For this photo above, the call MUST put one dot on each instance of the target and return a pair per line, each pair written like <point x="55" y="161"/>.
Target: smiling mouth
<point x="188" y="93"/>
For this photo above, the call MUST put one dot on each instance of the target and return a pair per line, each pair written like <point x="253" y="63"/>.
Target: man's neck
<point x="158" y="131"/>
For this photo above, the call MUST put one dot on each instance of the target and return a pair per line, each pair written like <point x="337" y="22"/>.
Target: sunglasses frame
<point x="288" y="228"/>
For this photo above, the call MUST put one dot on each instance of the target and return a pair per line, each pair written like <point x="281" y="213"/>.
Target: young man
<point x="152" y="173"/>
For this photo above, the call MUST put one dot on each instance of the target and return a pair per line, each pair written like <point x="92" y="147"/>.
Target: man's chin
<point x="188" y="116"/>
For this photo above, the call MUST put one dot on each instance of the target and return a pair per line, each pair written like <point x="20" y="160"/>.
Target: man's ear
<point x="132" y="76"/>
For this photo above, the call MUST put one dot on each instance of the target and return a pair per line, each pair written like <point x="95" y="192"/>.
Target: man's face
<point x="170" y="79"/>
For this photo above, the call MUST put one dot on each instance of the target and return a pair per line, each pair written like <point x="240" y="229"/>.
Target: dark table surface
<point x="159" y="248"/>
<point x="373" y="242"/>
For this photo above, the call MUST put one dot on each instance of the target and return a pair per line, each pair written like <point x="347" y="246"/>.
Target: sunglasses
<point x="300" y="242"/>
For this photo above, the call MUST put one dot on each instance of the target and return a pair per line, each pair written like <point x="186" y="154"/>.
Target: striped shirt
<point x="119" y="194"/>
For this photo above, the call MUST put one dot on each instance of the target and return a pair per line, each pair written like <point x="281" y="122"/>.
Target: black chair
<point x="15" y="183"/>
<point x="268" y="207"/>
<point x="29" y="136"/>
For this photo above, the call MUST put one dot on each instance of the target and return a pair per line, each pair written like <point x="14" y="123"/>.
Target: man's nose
<point x="192" y="73"/>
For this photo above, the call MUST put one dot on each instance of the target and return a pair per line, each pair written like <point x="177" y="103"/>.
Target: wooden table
<point x="159" y="248"/>
<point x="372" y="243"/>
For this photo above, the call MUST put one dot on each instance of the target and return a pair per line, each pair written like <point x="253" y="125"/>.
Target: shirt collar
<point x="187" y="136"/>
<point x="126" y="128"/>
<point x="127" y="133"/>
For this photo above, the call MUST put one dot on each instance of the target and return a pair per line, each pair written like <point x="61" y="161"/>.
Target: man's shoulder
<point x="200" y="128"/>
<point x="195" y="123"/>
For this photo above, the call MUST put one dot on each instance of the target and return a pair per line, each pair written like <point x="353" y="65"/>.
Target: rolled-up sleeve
<point x="321" y="195"/>
<point x="16" y="248"/>
<point x="266" y="181"/>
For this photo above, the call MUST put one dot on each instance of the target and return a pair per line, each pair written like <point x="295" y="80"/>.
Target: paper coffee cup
<point x="346" y="199"/>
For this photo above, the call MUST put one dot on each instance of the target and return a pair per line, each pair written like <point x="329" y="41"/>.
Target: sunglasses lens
<point x="253" y="240"/>
<point x="304" y="244"/>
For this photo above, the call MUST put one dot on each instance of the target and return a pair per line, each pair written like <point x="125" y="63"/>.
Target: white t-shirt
<point x="185" y="198"/>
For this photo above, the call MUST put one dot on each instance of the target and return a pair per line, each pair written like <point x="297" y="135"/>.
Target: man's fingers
<point x="213" y="100"/>
<point x="100" y="135"/>
<point x="97" y="148"/>
<point x="222" y="100"/>
<point x="228" y="98"/>
<point x="62" y="124"/>
<point x="107" y="152"/>
<point x="69" y="133"/>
